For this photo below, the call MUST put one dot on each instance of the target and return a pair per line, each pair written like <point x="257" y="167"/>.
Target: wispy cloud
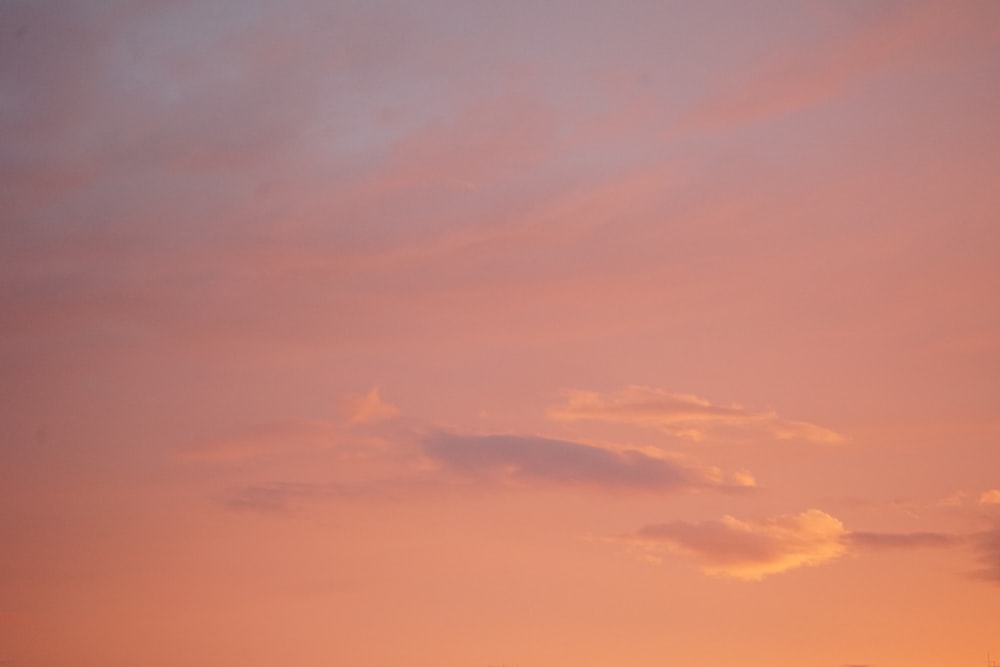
<point x="987" y="545"/>
<point x="751" y="550"/>
<point x="684" y="415"/>
<point x="444" y="461"/>
<point x="533" y="459"/>
<point x="808" y="75"/>
<point x="901" y="541"/>
<point x="280" y="497"/>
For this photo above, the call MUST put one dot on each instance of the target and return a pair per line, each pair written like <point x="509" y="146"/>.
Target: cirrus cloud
<point x="683" y="415"/>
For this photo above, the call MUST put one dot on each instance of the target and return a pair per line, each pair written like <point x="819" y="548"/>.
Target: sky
<point x="562" y="333"/>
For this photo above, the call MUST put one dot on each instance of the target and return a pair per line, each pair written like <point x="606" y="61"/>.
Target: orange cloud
<point x="991" y="497"/>
<point x="683" y="415"/>
<point x="750" y="550"/>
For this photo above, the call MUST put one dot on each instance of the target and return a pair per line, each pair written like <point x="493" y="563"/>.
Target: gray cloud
<point x="279" y="497"/>
<point x="536" y="459"/>
<point x="888" y="541"/>
<point x="512" y="459"/>
<point x="987" y="546"/>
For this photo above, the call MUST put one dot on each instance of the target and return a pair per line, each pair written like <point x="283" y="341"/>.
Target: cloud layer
<point x="684" y="415"/>
<point x="532" y="459"/>
<point x="752" y="549"/>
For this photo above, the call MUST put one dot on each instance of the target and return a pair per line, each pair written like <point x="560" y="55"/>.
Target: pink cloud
<point x="751" y="550"/>
<point x="369" y="408"/>
<point x="684" y="415"/>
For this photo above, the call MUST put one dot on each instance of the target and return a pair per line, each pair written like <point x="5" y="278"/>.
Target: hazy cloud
<point x="889" y="541"/>
<point x="991" y="497"/>
<point x="517" y="458"/>
<point x="278" y="497"/>
<point x="987" y="545"/>
<point x="752" y="549"/>
<point x="683" y="415"/>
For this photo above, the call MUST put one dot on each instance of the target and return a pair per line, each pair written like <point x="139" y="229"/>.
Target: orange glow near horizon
<point x="535" y="334"/>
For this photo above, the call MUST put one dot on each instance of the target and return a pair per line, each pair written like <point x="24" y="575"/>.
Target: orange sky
<point x="535" y="334"/>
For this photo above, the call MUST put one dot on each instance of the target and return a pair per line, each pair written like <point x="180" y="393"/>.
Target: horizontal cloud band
<point x="683" y="415"/>
<point x="531" y="458"/>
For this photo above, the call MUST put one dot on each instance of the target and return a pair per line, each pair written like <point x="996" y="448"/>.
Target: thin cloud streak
<point x="443" y="461"/>
<point x="684" y="415"/>
<point x="532" y="459"/>
<point x="901" y="541"/>
<point x="789" y="81"/>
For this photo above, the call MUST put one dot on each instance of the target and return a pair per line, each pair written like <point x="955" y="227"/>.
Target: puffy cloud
<point x="683" y="415"/>
<point x="515" y="458"/>
<point x="751" y="550"/>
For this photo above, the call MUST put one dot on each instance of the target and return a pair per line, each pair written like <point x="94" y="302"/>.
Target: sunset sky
<point x="467" y="333"/>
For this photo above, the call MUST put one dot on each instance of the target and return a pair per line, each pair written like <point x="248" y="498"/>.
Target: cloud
<point x="444" y="462"/>
<point x="987" y="547"/>
<point x="278" y="497"/>
<point x="991" y="497"/>
<point x="514" y="458"/>
<point x="683" y="415"/>
<point x="750" y="550"/>
<point x="889" y="541"/>
<point x="370" y="408"/>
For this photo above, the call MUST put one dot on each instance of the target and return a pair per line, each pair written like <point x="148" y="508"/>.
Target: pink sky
<point x="536" y="334"/>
